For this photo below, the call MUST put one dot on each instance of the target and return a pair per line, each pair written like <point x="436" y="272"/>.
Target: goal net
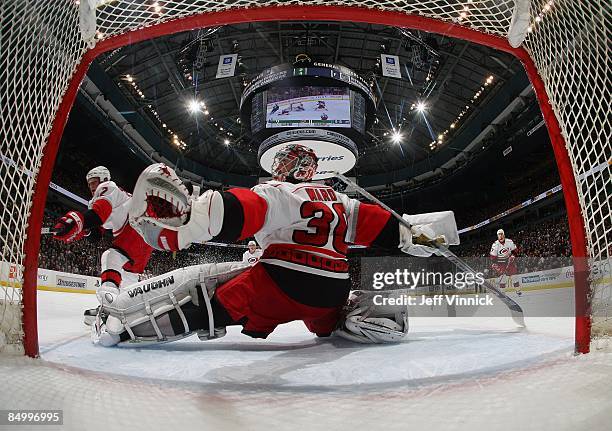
<point x="47" y="47"/>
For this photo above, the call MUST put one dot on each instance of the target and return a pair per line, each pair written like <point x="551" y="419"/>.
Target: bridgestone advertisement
<point x="72" y="282"/>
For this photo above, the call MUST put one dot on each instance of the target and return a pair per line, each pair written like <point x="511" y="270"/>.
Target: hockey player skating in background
<point x="503" y="256"/>
<point x="320" y="105"/>
<point x="274" y="108"/>
<point x="252" y="255"/>
<point x="304" y="230"/>
<point x="108" y="209"/>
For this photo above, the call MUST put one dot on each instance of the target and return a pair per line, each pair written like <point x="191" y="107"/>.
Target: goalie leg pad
<point x="142" y="309"/>
<point x="367" y="323"/>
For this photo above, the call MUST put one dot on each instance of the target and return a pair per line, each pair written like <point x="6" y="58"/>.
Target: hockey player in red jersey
<point x="503" y="257"/>
<point x="108" y="209"/>
<point x="304" y="230"/>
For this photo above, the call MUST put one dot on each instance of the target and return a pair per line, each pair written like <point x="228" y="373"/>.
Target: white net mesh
<point x="491" y="16"/>
<point x="42" y="46"/>
<point x="570" y="47"/>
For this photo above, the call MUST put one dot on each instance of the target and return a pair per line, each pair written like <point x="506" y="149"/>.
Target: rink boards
<point x="47" y="279"/>
<point x="58" y="281"/>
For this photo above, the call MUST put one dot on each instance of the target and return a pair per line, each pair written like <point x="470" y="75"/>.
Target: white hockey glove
<point x="437" y="227"/>
<point x="368" y="323"/>
<point x="161" y="204"/>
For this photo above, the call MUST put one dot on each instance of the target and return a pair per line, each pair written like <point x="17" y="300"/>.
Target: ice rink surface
<point x="451" y="373"/>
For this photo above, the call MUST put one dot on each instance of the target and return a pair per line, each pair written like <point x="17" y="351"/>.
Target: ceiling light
<point x="193" y="106"/>
<point x="396" y="137"/>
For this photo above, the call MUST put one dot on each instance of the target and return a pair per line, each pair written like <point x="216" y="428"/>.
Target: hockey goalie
<point x="304" y="230"/>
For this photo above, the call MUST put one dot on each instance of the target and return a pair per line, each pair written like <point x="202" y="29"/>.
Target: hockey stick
<point x="515" y="309"/>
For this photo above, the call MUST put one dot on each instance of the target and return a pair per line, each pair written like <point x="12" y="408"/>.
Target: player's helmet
<point x="100" y="172"/>
<point x="294" y="163"/>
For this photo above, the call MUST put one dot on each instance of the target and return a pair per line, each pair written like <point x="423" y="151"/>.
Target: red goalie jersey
<point x="304" y="230"/>
<point x="305" y="227"/>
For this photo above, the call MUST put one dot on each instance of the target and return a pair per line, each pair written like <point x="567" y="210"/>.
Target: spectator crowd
<point x="540" y="246"/>
<point x="475" y="214"/>
<point x="543" y="243"/>
<point x="83" y="257"/>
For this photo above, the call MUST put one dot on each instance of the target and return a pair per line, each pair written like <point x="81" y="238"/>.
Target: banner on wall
<point x="390" y="66"/>
<point x="72" y="282"/>
<point x="227" y="65"/>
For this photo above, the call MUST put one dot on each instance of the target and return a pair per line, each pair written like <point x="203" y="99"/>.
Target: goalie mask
<point x="294" y="163"/>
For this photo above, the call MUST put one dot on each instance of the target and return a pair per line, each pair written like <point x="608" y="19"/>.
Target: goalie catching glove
<point x="167" y="216"/>
<point x="426" y="231"/>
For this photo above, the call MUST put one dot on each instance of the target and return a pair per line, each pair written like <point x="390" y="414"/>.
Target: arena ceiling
<point x="450" y="77"/>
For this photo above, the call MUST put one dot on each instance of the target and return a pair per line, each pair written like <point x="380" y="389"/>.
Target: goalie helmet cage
<point x="48" y="47"/>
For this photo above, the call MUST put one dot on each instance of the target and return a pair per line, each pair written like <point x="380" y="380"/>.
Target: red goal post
<point x="46" y="58"/>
